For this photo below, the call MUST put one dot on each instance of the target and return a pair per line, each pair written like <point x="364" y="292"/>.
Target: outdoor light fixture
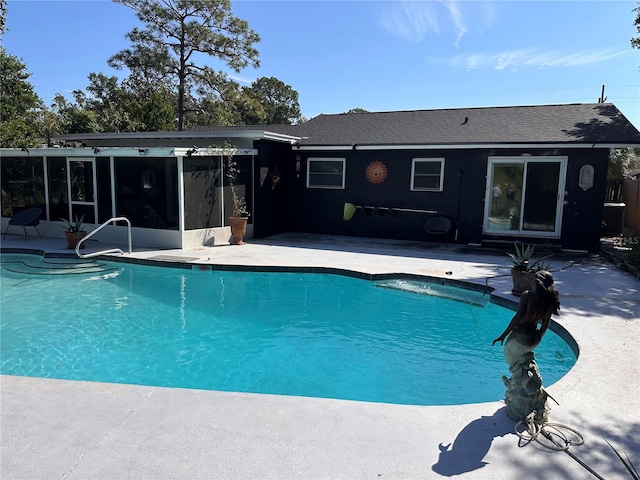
<point x="142" y="151"/>
<point x="298" y="158"/>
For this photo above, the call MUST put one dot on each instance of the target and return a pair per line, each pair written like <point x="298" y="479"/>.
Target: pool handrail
<point x="104" y="252"/>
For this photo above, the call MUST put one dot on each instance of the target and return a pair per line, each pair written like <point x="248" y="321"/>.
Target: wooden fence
<point x="614" y="191"/>
<point x="631" y="199"/>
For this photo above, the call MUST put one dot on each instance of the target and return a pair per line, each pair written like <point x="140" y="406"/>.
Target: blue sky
<point x="376" y="55"/>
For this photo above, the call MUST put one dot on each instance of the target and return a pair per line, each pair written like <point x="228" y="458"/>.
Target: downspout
<point x="459" y="175"/>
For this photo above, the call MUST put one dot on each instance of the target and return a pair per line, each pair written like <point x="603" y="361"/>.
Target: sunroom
<point x="174" y="196"/>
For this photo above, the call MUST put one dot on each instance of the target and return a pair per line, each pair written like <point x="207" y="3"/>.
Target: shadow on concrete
<point x="472" y="444"/>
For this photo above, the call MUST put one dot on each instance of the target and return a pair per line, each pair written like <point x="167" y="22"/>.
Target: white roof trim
<point x="182" y="135"/>
<point x="323" y="147"/>
<point x="90" y="152"/>
<point x="213" y="152"/>
<point x="125" y="152"/>
<point x="467" y="146"/>
<point x="281" y="137"/>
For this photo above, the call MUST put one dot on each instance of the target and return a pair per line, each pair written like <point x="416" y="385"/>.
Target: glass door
<point x="524" y="196"/>
<point x="81" y="184"/>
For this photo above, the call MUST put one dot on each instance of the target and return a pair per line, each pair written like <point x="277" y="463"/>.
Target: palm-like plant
<point x="73" y="227"/>
<point x="522" y="259"/>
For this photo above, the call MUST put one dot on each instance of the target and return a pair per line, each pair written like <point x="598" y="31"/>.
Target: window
<point x="325" y="172"/>
<point x="427" y="174"/>
<point x="154" y="207"/>
<point x="22" y="184"/>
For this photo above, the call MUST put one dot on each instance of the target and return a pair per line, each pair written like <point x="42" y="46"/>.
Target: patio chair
<point x="438" y="226"/>
<point x="29" y="217"/>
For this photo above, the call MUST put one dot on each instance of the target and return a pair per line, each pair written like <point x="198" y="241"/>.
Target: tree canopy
<point x="177" y="33"/>
<point x="20" y="106"/>
<point x="3" y="16"/>
<point x="622" y="161"/>
<point x="169" y="85"/>
<point x="635" y="42"/>
<point x="279" y="102"/>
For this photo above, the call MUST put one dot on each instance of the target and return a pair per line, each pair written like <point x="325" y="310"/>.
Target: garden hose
<point x="559" y="437"/>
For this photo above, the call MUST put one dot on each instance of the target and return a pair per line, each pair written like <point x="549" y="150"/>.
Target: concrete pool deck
<point x="82" y="430"/>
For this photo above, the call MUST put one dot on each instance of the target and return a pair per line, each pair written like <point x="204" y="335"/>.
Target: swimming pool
<point x="305" y="334"/>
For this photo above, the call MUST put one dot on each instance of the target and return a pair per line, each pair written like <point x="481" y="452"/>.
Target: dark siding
<point x="582" y="215"/>
<point x="462" y="199"/>
<point x="320" y="211"/>
<point x="271" y="207"/>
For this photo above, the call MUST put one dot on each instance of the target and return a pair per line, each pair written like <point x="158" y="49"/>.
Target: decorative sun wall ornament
<point x="376" y="172"/>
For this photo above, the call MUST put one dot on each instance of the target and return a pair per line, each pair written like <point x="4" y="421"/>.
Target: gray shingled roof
<point x="589" y="123"/>
<point x="572" y="123"/>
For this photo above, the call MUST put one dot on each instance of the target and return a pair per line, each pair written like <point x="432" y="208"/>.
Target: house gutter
<point x="445" y="146"/>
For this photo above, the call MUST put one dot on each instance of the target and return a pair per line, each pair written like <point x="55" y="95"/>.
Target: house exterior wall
<point x="280" y="200"/>
<point x="582" y="215"/>
<point x="274" y="180"/>
<point x="320" y="210"/>
<point x="313" y="210"/>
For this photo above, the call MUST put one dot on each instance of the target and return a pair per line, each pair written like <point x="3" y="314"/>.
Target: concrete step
<point x="34" y="265"/>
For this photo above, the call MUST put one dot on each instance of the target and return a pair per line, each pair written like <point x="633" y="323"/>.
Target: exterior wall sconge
<point x="585" y="181"/>
<point x="142" y="151"/>
<point x="298" y="159"/>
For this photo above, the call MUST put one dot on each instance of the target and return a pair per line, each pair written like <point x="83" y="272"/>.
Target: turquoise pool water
<point x="316" y="335"/>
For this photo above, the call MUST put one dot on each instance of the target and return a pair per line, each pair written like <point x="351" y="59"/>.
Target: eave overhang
<point x="87" y="152"/>
<point x="196" y="136"/>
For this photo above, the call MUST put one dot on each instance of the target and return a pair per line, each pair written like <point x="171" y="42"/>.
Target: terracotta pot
<point x="74" y="237"/>
<point x="238" y="229"/>
<point x="522" y="281"/>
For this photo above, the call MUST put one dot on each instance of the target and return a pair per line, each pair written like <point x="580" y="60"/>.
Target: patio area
<point x="80" y="430"/>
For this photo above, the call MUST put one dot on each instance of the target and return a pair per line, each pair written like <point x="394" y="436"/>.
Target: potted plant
<point x="74" y="231"/>
<point x="524" y="267"/>
<point x="239" y="214"/>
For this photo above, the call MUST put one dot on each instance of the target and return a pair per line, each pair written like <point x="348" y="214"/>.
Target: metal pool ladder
<point x="93" y="232"/>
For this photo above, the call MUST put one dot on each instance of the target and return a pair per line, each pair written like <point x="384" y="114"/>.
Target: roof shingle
<point x="573" y="123"/>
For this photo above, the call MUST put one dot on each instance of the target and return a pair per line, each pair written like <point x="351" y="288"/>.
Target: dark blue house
<point x="531" y="173"/>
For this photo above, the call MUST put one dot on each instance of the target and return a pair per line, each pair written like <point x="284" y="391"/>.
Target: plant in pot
<point x="74" y="231"/>
<point x="524" y="267"/>
<point x="239" y="214"/>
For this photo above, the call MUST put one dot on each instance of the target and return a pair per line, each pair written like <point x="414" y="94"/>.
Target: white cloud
<point x="414" y="20"/>
<point x="457" y="19"/>
<point x="410" y="20"/>
<point x="526" y="58"/>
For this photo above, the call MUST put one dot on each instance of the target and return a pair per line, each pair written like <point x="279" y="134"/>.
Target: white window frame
<point x="413" y="174"/>
<point x="525" y="160"/>
<point x="343" y="161"/>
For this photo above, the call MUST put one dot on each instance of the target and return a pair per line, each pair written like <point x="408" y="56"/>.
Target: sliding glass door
<point x="524" y="196"/>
